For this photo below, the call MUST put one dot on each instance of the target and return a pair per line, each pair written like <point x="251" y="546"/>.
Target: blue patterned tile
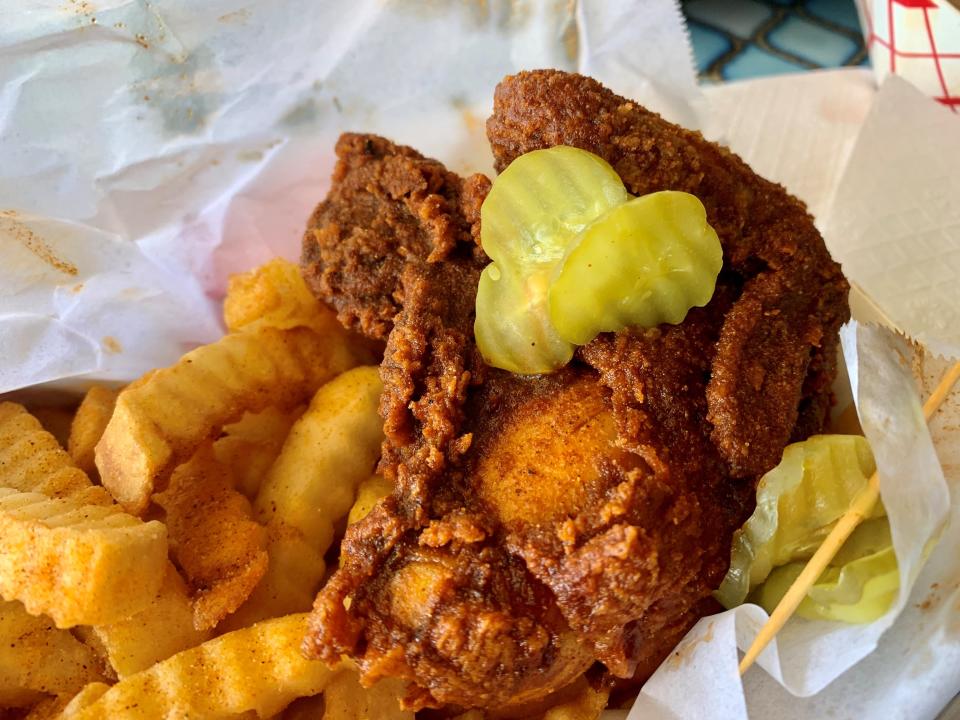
<point x="754" y="62"/>
<point x="840" y="13"/>
<point x="739" y="17"/>
<point x="812" y="42"/>
<point x="710" y="45"/>
<point x="734" y="39"/>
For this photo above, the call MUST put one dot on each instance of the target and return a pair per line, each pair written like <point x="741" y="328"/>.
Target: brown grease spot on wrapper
<point x="685" y="650"/>
<point x="111" y="345"/>
<point x="34" y="243"/>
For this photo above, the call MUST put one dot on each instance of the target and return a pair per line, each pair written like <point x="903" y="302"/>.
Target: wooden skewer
<point x="859" y="509"/>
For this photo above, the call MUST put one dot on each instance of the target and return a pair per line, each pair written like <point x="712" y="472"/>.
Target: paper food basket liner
<point x="147" y="150"/>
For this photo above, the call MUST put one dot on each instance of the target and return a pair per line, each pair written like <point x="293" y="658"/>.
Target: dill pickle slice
<point x="798" y="503"/>
<point x="542" y="200"/>
<point x="535" y="209"/>
<point x="646" y="262"/>
<point x="858" y="588"/>
<point x="512" y="328"/>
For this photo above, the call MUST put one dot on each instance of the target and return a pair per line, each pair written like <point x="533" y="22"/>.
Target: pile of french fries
<point x="160" y="562"/>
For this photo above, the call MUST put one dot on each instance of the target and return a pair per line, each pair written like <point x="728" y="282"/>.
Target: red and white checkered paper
<point x="917" y="39"/>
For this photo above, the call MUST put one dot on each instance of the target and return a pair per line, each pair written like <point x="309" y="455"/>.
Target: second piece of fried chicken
<point x="542" y="524"/>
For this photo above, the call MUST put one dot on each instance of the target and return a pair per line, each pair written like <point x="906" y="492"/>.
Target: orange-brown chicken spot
<point x="544" y="459"/>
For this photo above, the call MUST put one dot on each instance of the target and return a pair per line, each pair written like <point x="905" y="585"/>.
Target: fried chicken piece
<point x="793" y="295"/>
<point x="540" y="524"/>
<point x="434" y="597"/>
<point x="389" y="206"/>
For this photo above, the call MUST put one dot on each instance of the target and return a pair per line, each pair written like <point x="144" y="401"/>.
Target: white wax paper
<point x="895" y="219"/>
<point x="797" y="129"/>
<point x="808" y="655"/>
<point x="202" y="133"/>
<point x="149" y="149"/>
<point x="802" y="131"/>
<point x="73" y="298"/>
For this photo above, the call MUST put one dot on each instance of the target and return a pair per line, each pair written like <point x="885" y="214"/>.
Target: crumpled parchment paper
<point x="148" y="149"/>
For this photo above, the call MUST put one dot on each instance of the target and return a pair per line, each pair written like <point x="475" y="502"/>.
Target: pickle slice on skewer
<point x="859" y="586"/>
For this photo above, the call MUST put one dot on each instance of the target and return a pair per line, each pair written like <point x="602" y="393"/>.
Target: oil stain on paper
<point x="16" y="230"/>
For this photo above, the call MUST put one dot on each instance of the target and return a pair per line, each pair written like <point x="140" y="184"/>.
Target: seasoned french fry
<point x="274" y="295"/>
<point x="329" y="451"/>
<point x="93" y="531"/>
<point x="38" y="659"/>
<point x="79" y="560"/>
<point x="163" y="628"/>
<point x="308" y="708"/>
<point x="56" y="420"/>
<point x="586" y="704"/>
<point x="294" y="570"/>
<point x="55" y="707"/>
<point x="31" y="459"/>
<point x="369" y="493"/>
<point x="346" y="699"/>
<point x="47" y="709"/>
<point x="88" y="425"/>
<point x="159" y="423"/>
<point x="249" y="447"/>
<point x="256" y="669"/>
<point x="213" y="537"/>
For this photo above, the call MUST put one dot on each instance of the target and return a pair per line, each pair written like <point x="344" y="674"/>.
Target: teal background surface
<point x="738" y="39"/>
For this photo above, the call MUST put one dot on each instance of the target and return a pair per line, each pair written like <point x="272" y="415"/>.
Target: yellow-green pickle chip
<point x="532" y="213"/>
<point x="798" y="503"/>
<point x="860" y="585"/>
<point x="646" y="262"/>
<point x="574" y="256"/>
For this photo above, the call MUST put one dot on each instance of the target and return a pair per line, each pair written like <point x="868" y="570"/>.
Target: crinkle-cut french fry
<point x="47" y="709"/>
<point x="38" y="659"/>
<point x="290" y="583"/>
<point x="369" y="493"/>
<point x="256" y="669"/>
<point x="61" y="706"/>
<point x="213" y="537"/>
<point x="159" y="423"/>
<point x="308" y="708"/>
<point x="585" y="703"/>
<point x="79" y="560"/>
<point x="88" y="425"/>
<point x="329" y="451"/>
<point x="275" y="295"/>
<point x="163" y="628"/>
<point x="31" y="459"/>
<point x="250" y="446"/>
<point x="56" y="420"/>
<point x="346" y="699"/>
<point x="55" y="707"/>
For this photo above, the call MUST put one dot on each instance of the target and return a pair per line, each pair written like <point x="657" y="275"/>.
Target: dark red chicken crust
<point x="794" y="294"/>
<point x="543" y="523"/>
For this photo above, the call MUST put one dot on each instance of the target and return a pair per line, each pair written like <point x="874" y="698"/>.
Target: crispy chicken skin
<point x="542" y="524"/>
<point x="782" y="330"/>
